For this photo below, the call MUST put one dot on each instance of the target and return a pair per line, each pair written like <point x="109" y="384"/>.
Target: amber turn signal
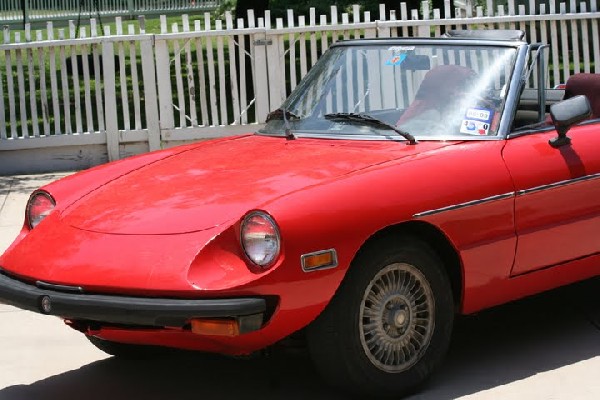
<point x="216" y="327"/>
<point x="319" y="260"/>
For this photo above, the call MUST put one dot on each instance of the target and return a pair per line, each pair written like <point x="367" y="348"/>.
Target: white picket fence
<point x="36" y="11"/>
<point x="85" y="97"/>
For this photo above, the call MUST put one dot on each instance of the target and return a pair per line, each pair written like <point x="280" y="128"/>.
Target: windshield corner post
<point x="541" y="83"/>
<point x="514" y="91"/>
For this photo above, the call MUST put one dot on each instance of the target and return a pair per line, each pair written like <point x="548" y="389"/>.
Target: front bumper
<point x="71" y="303"/>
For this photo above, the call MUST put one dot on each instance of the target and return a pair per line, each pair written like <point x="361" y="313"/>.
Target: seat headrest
<point x="445" y="82"/>
<point x="587" y="85"/>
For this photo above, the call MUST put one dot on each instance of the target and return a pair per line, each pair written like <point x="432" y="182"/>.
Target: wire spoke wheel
<point x="396" y="319"/>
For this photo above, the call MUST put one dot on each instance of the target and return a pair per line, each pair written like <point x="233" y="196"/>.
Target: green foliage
<point x="224" y="5"/>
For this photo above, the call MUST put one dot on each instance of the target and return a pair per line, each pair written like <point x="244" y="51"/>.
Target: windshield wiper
<point x="368" y="120"/>
<point x="286" y="115"/>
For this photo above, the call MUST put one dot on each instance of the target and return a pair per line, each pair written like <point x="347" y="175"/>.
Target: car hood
<point x="219" y="182"/>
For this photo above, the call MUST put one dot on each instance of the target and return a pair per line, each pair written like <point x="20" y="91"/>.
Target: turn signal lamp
<point x="319" y="260"/>
<point x="216" y="327"/>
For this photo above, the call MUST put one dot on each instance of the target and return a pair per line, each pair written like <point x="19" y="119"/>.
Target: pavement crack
<point x="10" y="186"/>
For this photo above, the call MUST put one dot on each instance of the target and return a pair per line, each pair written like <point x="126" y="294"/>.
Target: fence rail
<point x="128" y="92"/>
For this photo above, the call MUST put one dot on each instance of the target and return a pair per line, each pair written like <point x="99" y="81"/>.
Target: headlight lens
<point x="260" y="238"/>
<point x="40" y="205"/>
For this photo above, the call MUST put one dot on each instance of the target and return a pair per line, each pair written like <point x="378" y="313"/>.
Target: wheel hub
<point x="400" y="319"/>
<point x="395" y="317"/>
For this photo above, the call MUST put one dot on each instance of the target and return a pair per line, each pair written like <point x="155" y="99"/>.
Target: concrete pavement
<point x="545" y="347"/>
<point x="32" y="347"/>
<point x="14" y="192"/>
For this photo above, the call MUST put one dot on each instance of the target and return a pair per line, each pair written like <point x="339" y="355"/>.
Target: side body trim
<point x="507" y="195"/>
<point x="559" y="184"/>
<point x="465" y="204"/>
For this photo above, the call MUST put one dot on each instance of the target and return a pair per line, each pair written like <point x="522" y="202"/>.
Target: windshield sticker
<point x="400" y="49"/>
<point x="396" y="60"/>
<point x="477" y="121"/>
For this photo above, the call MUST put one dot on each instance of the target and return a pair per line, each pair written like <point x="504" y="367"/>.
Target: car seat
<point x="587" y="85"/>
<point x="440" y="87"/>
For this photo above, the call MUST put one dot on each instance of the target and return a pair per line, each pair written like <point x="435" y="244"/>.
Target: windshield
<point x="428" y="91"/>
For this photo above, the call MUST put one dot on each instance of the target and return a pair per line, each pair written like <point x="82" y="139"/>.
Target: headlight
<point x="260" y="238"/>
<point x="40" y="205"/>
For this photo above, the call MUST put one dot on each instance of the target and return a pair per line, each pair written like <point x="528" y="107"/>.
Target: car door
<point x="557" y="206"/>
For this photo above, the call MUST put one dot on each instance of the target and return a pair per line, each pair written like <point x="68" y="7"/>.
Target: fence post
<point x="165" y="93"/>
<point x="110" y="100"/>
<point x="275" y="63"/>
<point x="424" y="30"/>
<point x="259" y="75"/>
<point x="151" y="99"/>
<point x="130" y="9"/>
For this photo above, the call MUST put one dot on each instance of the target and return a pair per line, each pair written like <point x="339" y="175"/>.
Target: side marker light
<point x="319" y="260"/>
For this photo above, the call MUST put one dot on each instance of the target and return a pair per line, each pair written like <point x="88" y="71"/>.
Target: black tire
<point x="369" y="341"/>
<point x="128" y="351"/>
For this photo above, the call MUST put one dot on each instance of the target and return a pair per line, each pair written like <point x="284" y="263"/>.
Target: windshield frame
<point x="515" y="84"/>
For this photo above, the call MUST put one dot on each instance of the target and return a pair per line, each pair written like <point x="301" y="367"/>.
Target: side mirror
<point x="566" y="114"/>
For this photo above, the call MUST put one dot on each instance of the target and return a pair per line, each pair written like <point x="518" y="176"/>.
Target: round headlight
<point x="260" y="238"/>
<point x="40" y="205"/>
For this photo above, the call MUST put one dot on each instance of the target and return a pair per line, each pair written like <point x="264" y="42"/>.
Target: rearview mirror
<point x="417" y="62"/>
<point x="567" y="113"/>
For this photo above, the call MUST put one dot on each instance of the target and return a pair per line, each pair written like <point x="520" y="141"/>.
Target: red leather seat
<point x="587" y="85"/>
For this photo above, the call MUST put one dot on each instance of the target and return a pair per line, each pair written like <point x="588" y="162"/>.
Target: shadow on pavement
<point x="182" y="377"/>
<point x="495" y="347"/>
<point x="519" y="340"/>
<point x="26" y="184"/>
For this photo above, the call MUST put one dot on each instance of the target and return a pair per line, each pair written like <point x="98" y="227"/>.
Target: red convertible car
<point x="403" y="182"/>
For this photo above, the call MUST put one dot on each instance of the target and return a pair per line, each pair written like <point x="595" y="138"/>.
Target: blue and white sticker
<point x="477" y="121"/>
<point x="398" y="54"/>
<point x="396" y="59"/>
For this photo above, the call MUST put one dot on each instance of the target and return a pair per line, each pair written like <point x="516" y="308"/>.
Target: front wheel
<point x="389" y="325"/>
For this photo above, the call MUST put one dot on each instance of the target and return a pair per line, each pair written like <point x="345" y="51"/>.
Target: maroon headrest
<point x="587" y="85"/>
<point x="440" y="87"/>
<point x="445" y="82"/>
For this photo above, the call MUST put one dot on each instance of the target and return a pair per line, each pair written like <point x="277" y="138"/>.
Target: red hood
<point x="218" y="182"/>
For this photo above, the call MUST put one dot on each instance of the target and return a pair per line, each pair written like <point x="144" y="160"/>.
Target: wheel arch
<point x="437" y="240"/>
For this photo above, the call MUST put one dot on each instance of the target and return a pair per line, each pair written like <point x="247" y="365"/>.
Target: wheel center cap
<point x="400" y="318"/>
